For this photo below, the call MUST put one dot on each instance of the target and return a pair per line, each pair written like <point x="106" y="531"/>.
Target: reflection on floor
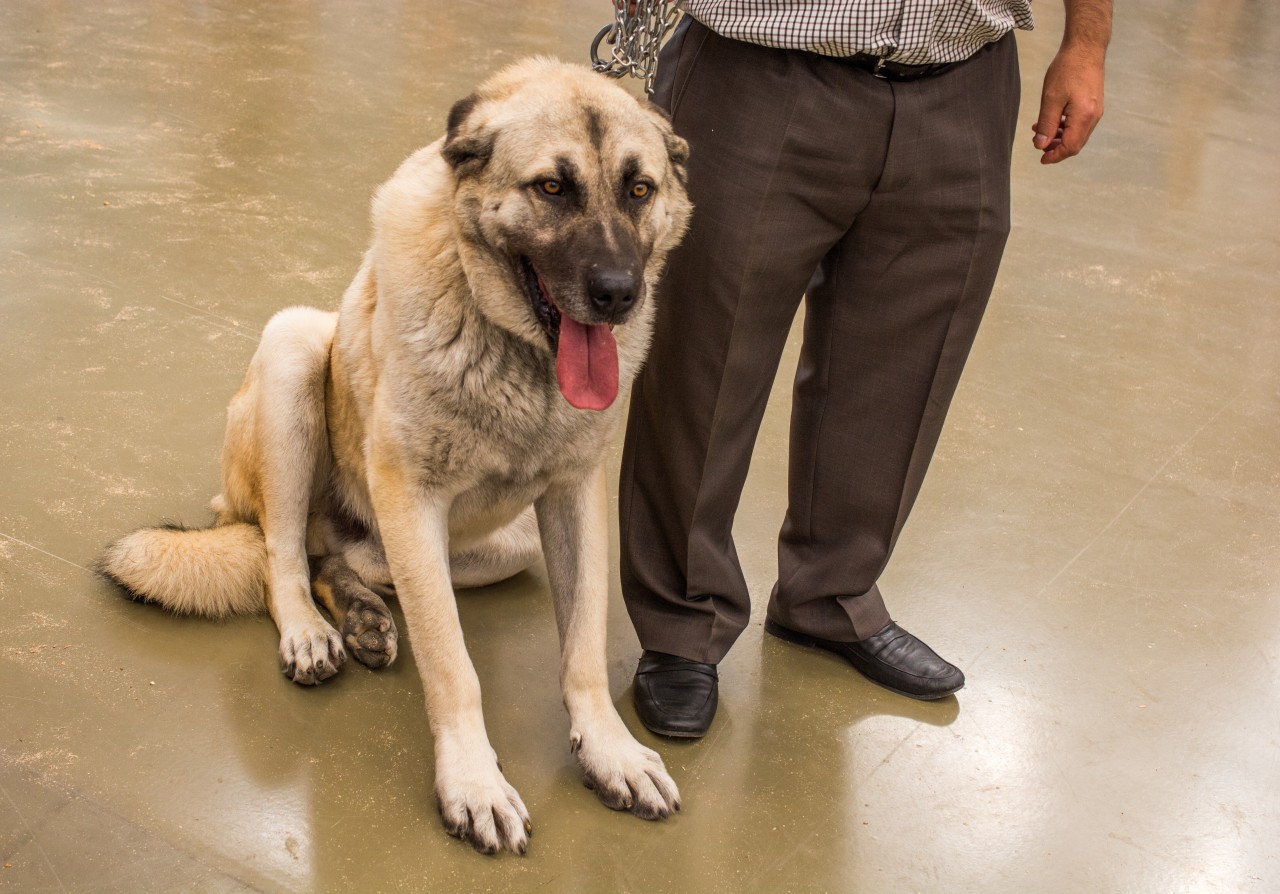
<point x="1096" y="545"/>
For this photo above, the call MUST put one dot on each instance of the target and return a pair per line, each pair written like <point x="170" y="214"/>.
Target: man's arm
<point x="1071" y="102"/>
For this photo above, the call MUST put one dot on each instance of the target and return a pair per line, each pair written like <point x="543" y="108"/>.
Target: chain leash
<point x="636" y="37"/>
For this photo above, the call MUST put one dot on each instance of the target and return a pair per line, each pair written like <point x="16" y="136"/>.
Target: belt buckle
<point x="878" y="70"/>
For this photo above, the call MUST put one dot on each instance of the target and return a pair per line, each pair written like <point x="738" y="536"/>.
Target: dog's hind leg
<point x="368" y="629"/>
<point x="277" y="449"/>
<point x="505" y="552"/>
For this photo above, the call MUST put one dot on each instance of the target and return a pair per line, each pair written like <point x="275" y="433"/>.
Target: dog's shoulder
<point x="414" y="207"/>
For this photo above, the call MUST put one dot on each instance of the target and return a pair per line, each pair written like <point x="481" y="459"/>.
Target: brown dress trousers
<point x="897" y="194"/>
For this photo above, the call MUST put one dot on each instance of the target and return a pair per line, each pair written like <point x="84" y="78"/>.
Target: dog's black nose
<point x="612" y="291"/>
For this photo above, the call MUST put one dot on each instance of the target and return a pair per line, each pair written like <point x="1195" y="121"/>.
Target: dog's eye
<point x="552" y="187"/>
<point x="641" y="191"/>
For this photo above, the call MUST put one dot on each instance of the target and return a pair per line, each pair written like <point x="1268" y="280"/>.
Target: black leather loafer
<point x="675" y="696"/>
<point x="893" y="658"/>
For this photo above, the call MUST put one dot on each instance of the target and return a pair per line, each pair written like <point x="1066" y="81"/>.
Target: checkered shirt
<point x="910" y="32"/>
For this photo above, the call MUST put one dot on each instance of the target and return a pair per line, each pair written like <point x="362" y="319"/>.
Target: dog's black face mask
<point x="582" y="268"/>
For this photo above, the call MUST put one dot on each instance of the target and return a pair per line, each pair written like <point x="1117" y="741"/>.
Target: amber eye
<point x="551" y="187"/>
<point x="640" y="191"/>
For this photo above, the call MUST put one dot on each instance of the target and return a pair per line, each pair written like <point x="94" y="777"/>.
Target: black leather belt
<point x="893" y="71"/>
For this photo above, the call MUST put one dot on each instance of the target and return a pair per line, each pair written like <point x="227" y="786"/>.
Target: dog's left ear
<point x="677" y="147"/>
<point x="677" y="151"/>
<point x="467" y="148"/>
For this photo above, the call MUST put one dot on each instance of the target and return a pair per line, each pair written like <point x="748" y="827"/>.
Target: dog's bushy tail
<point x="211" y="572"/>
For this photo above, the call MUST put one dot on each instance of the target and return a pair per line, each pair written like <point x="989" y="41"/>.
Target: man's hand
<point x="1071" y="101"/>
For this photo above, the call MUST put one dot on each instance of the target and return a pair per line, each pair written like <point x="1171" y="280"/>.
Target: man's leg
<point x="785" y="149"/>
<point x="775" y="182"/>
<point x="889" y="324"/>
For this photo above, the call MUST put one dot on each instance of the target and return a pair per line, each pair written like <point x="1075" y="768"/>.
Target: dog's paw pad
<point x="370" y="634"/>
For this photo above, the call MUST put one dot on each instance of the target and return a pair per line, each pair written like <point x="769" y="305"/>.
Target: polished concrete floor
<point x="1098" y="544"/>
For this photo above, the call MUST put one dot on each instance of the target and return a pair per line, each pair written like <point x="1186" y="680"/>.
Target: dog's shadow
<point x="362" y="739"/>
<point x="512" y="642"/>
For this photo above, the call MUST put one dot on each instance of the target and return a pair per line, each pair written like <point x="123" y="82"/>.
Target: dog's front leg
<point x="475" y="800"/>
<point x="573" y="519"/>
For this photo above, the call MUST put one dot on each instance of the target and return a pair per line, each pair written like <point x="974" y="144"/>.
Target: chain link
<point x="636" y="37"/>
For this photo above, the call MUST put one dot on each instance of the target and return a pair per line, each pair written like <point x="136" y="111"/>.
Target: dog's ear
<point x="677" y="151"/>
<point x="677" y="147"/>
<point x="467" y="147"/>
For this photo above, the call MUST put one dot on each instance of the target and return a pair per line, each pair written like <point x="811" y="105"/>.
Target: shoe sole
<point x="673" y="734"/>
<point x="800" y="639"/>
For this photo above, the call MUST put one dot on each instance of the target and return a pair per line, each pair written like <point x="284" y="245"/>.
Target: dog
<point x="448" y="426"/>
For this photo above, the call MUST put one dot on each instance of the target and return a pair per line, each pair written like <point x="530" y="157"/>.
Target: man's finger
<point x="1050" y="122"/>
<point x="1054" y="154"/>
<point x="1076" y="130"/>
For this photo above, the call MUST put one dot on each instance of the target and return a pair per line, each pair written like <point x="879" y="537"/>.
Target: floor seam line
<point x="44" y="551"/>
<point x="1142" y="490"/>
<point x="228" y="324"/>
<point x="34" y="840"/>
<point x="1177" y="452"/>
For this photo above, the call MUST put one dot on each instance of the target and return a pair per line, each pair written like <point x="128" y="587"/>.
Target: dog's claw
<point x="311" y="655"/>
<point x="627" y="776"/>
<point x="478" y="805"/>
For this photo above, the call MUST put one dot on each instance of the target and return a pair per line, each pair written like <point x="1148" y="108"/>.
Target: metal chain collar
<point x="636" y="36"/>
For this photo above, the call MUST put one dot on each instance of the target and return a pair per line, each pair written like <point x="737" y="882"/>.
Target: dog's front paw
<point x="370" y="633"/>
<point x="478" y="805"/>
<point x="625" y="774"/>
<point x="312" y="653"/>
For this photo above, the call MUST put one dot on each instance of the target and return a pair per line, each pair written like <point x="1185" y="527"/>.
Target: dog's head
<point x="569" y="195"/>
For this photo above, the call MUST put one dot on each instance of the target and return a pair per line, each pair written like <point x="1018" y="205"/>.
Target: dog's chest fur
<point x="478" y="408"/>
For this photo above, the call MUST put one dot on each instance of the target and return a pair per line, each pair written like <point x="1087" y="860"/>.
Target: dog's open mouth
<point x="586" y="353"/>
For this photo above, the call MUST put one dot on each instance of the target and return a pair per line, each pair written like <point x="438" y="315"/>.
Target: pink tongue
<point x="587" y="364"/>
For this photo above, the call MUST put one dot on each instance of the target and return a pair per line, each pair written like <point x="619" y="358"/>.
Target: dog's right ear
<point x="467" y="147"/>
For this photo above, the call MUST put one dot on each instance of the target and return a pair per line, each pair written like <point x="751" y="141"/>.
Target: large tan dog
<point x="449" y="423"/>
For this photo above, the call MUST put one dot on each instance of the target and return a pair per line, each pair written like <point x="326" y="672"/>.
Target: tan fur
<point x="419" y="439"/>
<point x="215" y="573"/>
